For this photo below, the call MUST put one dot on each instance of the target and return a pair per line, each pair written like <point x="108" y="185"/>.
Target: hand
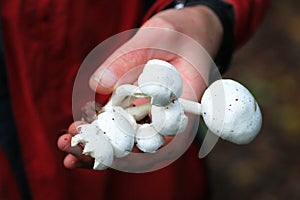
<point x="198" y="22"/>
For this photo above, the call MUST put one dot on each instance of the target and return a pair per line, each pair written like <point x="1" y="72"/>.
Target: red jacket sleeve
<point x="248" y="15"/>
<point x="158" y="6"/>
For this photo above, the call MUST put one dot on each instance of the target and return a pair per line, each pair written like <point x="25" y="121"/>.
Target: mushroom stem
<point x="122" y="92"/>
<point x="190" y="106"/>
<point x="139" y="112"/>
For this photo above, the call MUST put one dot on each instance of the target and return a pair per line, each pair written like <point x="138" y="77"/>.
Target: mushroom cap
<point x="231" y="112"/>
<point x="96" y="145"/>
<point x="161" y="81"/>
<point x="148" y="139"/>
<point x="169" y="120"/>
<point x="118" y="130"/>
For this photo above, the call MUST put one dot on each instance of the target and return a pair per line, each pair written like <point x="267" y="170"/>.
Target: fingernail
<point x="105" y="78"/>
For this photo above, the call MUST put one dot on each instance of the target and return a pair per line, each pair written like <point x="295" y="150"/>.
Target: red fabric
<point x="157" y="7"/>
<point x="8" y="186"/>
<point x="248" y="15"/>
<point x="45" y="43"/>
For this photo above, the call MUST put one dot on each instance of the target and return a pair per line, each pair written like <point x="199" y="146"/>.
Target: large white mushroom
<point x="229" y="110"/>
<point x="239" y="118"/>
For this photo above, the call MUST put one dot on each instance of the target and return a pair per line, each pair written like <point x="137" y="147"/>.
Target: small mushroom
<point x="161" y="81"/>
<point x="169" y="120"/>
<point x="95" y="144"/>
<point x="148" y="139"/>
<point x="118" y="129"/>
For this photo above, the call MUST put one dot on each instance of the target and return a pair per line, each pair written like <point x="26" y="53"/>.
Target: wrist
<point x="197" y="22"/>
<point x="225" y="13"/>
<point x="219" y="9"/>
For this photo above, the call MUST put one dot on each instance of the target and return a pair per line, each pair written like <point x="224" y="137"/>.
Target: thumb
<point x="124" y="65"/>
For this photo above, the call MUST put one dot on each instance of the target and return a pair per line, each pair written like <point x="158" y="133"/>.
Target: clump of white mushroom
<point x="228" y="109"/>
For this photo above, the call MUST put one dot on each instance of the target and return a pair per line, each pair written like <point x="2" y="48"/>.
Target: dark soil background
<point x="268" y="65"/>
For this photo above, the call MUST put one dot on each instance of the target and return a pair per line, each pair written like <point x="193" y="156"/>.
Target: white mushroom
<point x="169" y="120"/>
<point x="238" y="119"/>
<point x="118" y="129"/>
<point x="95" y="144"/>
<point x="148" y="139"/>
<point x="161" y="81"/>
<point x="229" y="110"/>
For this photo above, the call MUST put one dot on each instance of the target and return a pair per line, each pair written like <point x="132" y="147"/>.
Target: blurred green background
<point x="268" y="65"/>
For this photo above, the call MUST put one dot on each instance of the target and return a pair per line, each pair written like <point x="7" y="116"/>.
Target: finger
<point x="72" y="128"/>
<point x="72" y="162"/>
<point x="64" y="141"/>
<point x="124" y="65"/>
<point x="64" y="144"/>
